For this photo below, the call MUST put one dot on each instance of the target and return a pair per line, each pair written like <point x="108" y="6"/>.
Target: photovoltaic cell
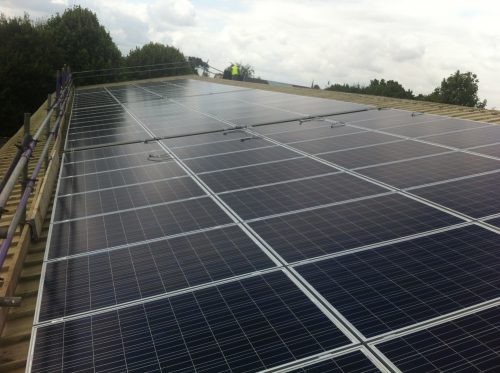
<point x="438" y="126"/>
<point x="354" y="362"/>
<point x="467" y="344"/>
<point x="493" y="150"/>
<point x="239" y="159"/>
<point x="295" y="195"/>
<point x="495" y="222"/>
<point x="249" y="325"/>
<point x="81" y="236"/>
<point x="220" y="147"/>
<point x="264" y="174"/>
<point x="383" y="153"/>
<point x="468" y="139"/>
<point x="106" y="279"/>
<point x="477" y="196"/>
<point x="337" y="228"/>
<point x="342" y="142"/>
<point x="111" y="163"/>
<point x="431" y="169"/>
<point x="308" y="133"/>
<point x="111" y="151"/>
<point x="117" y="178"/>
<point x="390" y="287"/>
<point x="134" y="196"/>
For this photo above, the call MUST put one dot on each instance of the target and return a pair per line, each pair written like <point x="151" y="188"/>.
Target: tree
<point x="389" y="88"/>
<point x="28" y="60"/>
<point x="83" y="41"/>
<point x="197" y="63"/>
<point x="245" y="71"/>
<point x="458" y="89"/>
<point x="169" y="60"/>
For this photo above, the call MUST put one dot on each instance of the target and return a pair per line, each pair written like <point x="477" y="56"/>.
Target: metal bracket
<point x="33" y="231"/>
<point x="249" y="138"/>
<point x="159" y="157"/>
<point x="10" y="301"/>
<point x="416" y="113"/>
<point x="312" y="119"/>
<point x="236" y="129"/>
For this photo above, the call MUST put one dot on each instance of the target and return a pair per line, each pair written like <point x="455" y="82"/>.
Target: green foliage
<point x="389" y="88"/>
<point x="458" y="89"/>
<point x="197" y="63"/>
<point x="83" y="42"/>
<point x="246" y="71"/>
<point x="169" y="60"/>
<point x="28" y="61"/>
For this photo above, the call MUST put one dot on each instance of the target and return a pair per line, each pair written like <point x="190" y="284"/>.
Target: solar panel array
<point x="208" y="227"/>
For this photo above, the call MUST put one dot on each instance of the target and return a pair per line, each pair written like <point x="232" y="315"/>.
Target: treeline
<point x="457" y="89"/>
<point x="31" y="52"/>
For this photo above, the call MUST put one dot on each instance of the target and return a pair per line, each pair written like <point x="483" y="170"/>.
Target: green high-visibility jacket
<point x="234" y="70"/>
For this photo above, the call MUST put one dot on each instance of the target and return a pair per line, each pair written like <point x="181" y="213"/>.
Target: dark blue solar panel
<point x="249" y="325"/>
<point x="220" y="147"/>
<point x="111" y="163"/>
<point x="493" y="150"/>
<point x="264" y="174"/>
<point x="467" y="344"/>
<point x="106" y="279"/>
<point x="431" y="169"/>
<point x="80" y="236"/>
<point x="477" y="196"/>
<point x="111" y="200"/>
<point x="468" y="139"/>
<point x="354" y="362"/>
<point x="495" y="222"/>
<point x="295" y="195"/>
<point x="117" y="178"/>
<point x="390" y="287"/>
<point x="343" y="142"/>
<point x="110" y="151"/>
<point x="239" y="159"/>
<point x="312" y="133"/>
<point x="333" y="229"/>
<point x="381" y="153"/>
<point x="438" y="126"/>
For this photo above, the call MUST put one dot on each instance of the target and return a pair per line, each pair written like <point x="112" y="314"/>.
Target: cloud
<point x="345" y="41"/>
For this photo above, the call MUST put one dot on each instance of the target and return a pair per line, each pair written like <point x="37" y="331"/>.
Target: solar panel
<point x="468" y="139"/>
<point x="353" y="362"/>
<point x="106" y="279"/>
<point x="476" y="196"/>
<point x="333" y="229"/>
<point x="390" y="287"/>
<point x="376" y="154"/>
<point x="470" y="343"/>
<point x="146" y="223"/>
<point x="434" y="127"/>
<point x="294" y="195"/>
<point x="225" y="180"/>
<point x="133" y="196"/>
<point x="247" y="255"/>
<point x="247" y="325"/>
<point x="431" y="169"/>
<point x="240" y="159"/>
<point x="492" y="150"/>
<point x="120" y="177"/>
<point x="342" y="142"/>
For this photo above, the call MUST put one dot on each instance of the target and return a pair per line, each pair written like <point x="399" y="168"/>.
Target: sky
<point x="417" y="43"/>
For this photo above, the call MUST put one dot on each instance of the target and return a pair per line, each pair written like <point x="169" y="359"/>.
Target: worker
<point x="235" y="71"/>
